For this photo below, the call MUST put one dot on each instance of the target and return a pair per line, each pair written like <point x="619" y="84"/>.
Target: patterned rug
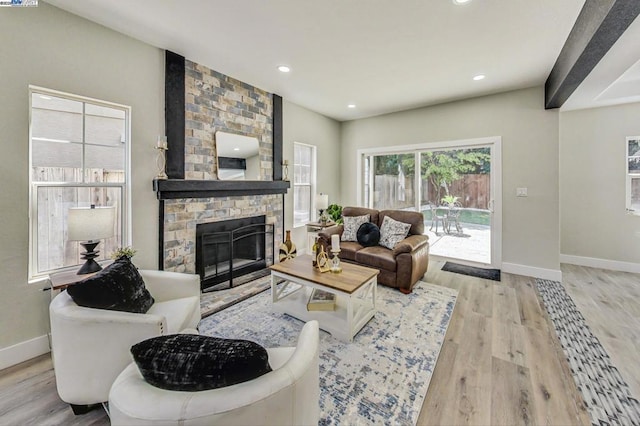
<point x="380" y="378"/>
<point x="606" y="395"/>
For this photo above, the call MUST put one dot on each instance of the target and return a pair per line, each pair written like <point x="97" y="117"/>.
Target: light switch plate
<point x="521" y="192"/>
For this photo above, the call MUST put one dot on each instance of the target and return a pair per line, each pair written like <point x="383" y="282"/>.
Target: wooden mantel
<point x="169" y="189"/>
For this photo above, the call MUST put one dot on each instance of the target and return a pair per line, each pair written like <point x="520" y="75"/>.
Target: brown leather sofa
<point x="401" y="267"/>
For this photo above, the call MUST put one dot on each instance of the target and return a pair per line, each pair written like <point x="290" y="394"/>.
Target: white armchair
<point x="288" y="395"/>
<point x="90" y="347"/>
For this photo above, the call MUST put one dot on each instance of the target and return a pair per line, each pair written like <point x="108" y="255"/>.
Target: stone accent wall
<point x="216" y="102"/>
<point x="182" y="216"/>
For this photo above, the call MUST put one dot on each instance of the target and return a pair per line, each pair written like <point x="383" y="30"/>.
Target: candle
<point x="335" y="242"/>
<point x="162" y="142"/>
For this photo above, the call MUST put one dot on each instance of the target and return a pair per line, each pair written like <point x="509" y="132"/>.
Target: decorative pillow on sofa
<point x="368" y="234"/>
<point x="118" y="287"/>
<point x="190" y="362"/>
<point x="351" y="225"/>
<point x="392" y="232"/>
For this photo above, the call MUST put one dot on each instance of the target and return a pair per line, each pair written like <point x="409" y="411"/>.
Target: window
<point x="633" y="175"/>
<point x="304" y="174"/>
<point x="79" y="156"/>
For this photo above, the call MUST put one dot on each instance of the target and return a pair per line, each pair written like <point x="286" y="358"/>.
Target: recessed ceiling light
<point x="479" y="77"/>
<point x="284" y="68"/>
<point x="351" y="106"/>
<point x="459" y="2"/>
<point x="46" y="98"/>
<point x="236" y="149"/>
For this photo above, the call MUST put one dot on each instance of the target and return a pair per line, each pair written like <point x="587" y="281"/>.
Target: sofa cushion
<point x="377" y="257"/>
<point x="361" y="211"/>
<point x="187" y="362"/>
<point x="368" y="234"/>
<point x="415" y="219"/>
<point x="179" y="313"/>
<point x="351" y="225"/>
<point x="348" y="250"/>
<point x="118" y="287"/>
<point x="392" y="232"/>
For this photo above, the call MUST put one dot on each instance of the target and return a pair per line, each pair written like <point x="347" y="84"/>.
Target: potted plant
<point x="449" y="199"/>
<point x="335" y="213"/>
<point x="127" y="252"/>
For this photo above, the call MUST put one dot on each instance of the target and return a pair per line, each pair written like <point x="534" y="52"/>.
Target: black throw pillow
<point x="190" y="362"/>
<point x="118" y="287"/>
<point x="368" y="234"/>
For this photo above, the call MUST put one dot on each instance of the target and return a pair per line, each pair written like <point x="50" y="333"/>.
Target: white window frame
<point x="630" y="176"/>
<point x="311" y="185"/>
<point x="125" y="187"/>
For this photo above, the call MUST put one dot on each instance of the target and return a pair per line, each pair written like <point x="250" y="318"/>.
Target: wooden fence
<point x="472" y="190"/>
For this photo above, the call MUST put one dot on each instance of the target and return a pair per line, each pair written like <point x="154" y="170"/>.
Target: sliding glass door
<point x="456" y="186"/>
<point x="391" y="182"/>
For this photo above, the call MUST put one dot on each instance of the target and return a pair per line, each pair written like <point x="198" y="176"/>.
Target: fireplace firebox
<point x="229" y="249"/>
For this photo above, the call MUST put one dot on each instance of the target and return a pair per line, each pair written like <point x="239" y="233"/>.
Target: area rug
<point x="380" y="378"/>
<point x="488" y="274"/>
<point x="606" y="395"/>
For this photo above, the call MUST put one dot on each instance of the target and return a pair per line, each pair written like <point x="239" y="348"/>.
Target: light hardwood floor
<point x="501" y="363"/>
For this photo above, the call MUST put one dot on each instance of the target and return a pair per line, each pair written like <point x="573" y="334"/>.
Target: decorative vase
<point x="287" y="249"/>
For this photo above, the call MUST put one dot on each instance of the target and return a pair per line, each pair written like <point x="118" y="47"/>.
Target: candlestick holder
<point x="161" y="159"/>
<point x="335" y="262"/>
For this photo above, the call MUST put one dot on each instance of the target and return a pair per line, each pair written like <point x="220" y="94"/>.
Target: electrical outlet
<point x="521" y="192"/>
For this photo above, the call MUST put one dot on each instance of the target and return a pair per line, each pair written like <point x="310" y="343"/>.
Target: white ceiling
<point x="615" y="79"/>
<point x="381" y="55"/>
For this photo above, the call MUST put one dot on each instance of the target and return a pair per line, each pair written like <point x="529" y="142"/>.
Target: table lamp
<point x="90" y="225"/>
<point x="322" y="202"/>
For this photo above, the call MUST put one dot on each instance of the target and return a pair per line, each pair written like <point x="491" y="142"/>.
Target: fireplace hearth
<point x="229" y="249"/>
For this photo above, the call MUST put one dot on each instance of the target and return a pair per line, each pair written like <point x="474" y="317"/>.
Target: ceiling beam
<point x="598" y="27"/>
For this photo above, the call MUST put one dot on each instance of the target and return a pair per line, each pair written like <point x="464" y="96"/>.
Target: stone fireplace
<point x="199" y="102"/>
<point x="229" y="249"/>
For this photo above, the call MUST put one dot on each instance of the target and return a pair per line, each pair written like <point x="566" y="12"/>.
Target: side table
<point x="62" y="280"/>
<point x="313" y="228"/>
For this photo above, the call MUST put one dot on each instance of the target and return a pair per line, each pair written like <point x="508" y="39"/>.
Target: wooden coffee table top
<point x="349" y="280"/>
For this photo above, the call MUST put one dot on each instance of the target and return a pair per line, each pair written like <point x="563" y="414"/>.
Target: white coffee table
<point x="355" y="289"/>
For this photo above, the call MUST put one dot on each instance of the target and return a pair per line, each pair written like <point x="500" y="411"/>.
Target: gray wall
<point x="592" y="183"/>
<point x="530" y="231"/>
<point x="305" y="126"/>
<point x="47" y="47"/>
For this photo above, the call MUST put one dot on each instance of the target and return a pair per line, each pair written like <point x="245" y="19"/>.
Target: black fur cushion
<point x="190" y="362"/>
<point x="368" y="234"/>
<point x="118" y="287"/>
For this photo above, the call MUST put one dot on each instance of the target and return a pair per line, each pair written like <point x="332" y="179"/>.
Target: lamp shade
<point x="87" y="224"/>
<point x="322" y="201"/>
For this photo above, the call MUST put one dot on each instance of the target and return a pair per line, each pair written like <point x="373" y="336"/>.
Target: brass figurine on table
<point x="322" y="261"/>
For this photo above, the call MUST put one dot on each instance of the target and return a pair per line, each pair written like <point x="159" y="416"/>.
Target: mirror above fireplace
<point x="238" y="156"/>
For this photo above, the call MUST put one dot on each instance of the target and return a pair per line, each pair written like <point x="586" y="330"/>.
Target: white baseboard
<point x="614" y="265"/>
<point x="531" y="271"/>
<point x="23" y="351"/>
